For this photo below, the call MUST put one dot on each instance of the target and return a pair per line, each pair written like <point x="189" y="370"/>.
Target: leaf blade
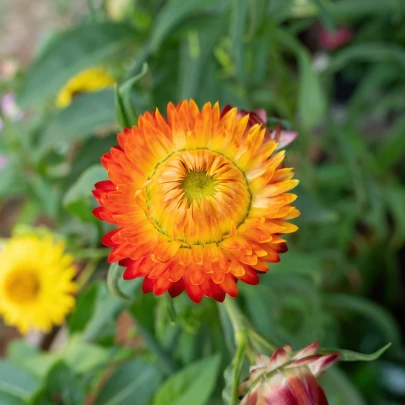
<point x="70" y="53"/>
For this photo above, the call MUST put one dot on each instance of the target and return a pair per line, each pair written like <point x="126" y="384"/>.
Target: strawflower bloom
<point x="36" y="287"/>
<point x="287" y="379"/>
<point x="198" y="201"/>
<point x="92" y="79"/>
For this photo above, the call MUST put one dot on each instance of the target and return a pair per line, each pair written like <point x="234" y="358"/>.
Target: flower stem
<point x="91" y="254"/>
<point x="257" y="343"/>
<point x="235" y="315"/>
<point x="240" y="327"/>
<point x="86" y="274"/>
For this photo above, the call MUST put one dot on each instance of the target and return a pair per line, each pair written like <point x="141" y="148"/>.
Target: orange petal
<point x="162" y="285"/>
<point x="229" y="285"/>
<point x="250" y="276"/>
<point x="176" y="288"/>
<point x="193" y="291"/>
<point x="147" y="285"/>
<point x="197" y="274"/>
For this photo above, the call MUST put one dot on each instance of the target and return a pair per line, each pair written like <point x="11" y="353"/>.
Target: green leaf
<point x="132" y="383"/>
<point x="46" y="195"/>
<point x="60" y="386"/>
<point x="141" y="308"/>
<point x="80" y="356"/>
<point x="124" y="108"/>
<point x="126" y="87"/>
<point x="382" y="318"/>
<point x="191" y="385"/>
<point x="368" y="52"/>
<point x="172" y="14"/>
<point x="78" y="199"/>
<point x="18" y="351"/>
<point x="89" y="154"/>
<point x="120" y="110"/>
<point x="296" y="308"/>
<point x="257" y="13"/>
<point x="394" y="195"/>
<point x="325" y="15"/>
<point x="11" y="179"/>
<point x="107" y="307"/>
<point x="15" y="383"/>
<point x="311" y="99"/>
<point x="345" y="9"/>
<point x="83" y="310"/>
<point x="239" y="14"/>
<point x="279" y="10"/>
<point x="393" y="147"/>
<point x="7" y="399"/>
<point x="348" y="355"/>
<point x="196" y="55"/>
<point x="30" y="358"/>
<point x="312" y="211"/>
<point x="75" y="50"/>
<point x="339" y="389"/>
<point x="88" y="113"/>
<point x="301" y="264"/>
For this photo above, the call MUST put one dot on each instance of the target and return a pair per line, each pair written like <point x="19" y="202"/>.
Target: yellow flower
<point x="88" y="80"/>
<point x="36" y="287"/>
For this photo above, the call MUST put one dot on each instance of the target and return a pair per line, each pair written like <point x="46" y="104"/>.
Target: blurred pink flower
<point x="9" y="107"/>
<point x="287" y="379"/>
<point x="282" y="137"/>
<point x="331" y="41"/>
<point x="3" y="161"/>
<point x="8" y="68"/>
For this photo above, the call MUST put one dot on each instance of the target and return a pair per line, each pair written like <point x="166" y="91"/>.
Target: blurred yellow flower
<point x="88" y="80"/>
<point x="36" y="283"/>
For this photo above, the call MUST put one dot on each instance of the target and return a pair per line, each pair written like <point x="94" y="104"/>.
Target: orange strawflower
<point x="198" y="201"/>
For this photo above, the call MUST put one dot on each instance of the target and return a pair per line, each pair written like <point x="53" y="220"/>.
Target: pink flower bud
<point x="331" y="41"/>
<point x="287" y="378"/>
<point x="282" y="137"/>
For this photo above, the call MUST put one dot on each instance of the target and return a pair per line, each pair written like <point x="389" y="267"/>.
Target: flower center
<point x="198" y="185"/>
<point x="197" y="197"/>
<point x="21" y="286"/>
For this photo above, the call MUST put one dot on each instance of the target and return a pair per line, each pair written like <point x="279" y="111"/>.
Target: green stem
<point x="240" y="327"/>
<point x="233" y="373"/>
<point x="91" y="253"/>
<point x="236" y="317"/>
<point x="86" y="274"/>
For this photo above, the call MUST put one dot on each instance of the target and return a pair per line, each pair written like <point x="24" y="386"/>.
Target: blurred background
<point x="333" y="71"/>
